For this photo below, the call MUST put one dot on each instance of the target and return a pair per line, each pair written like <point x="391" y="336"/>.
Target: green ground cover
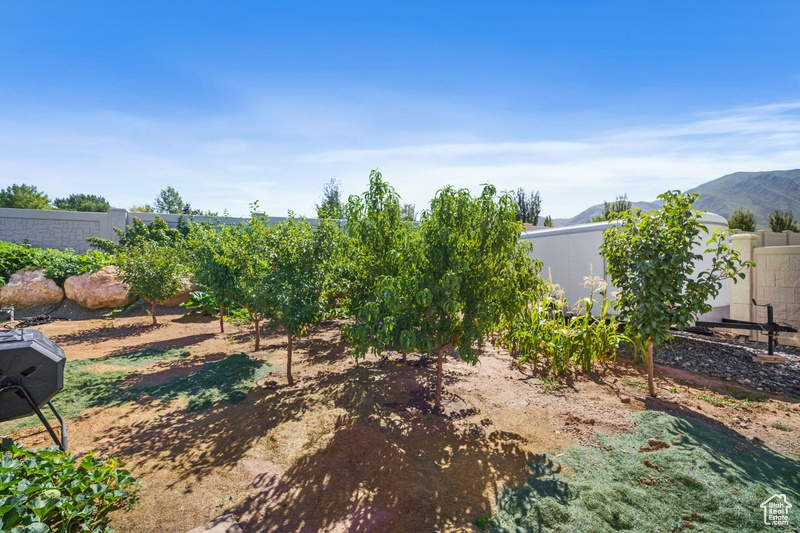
<point x="709" y="479"/>
<point x="87" y="384"/>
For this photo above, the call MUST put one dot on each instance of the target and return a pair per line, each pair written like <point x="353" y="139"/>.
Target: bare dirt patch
<point x="356" y="447"/>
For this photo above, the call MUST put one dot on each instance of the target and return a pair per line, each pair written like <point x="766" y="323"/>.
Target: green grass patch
<point x="638" y="383"/>
<point x="708" y="480"/>
<point x="737" y="400"/>
<point x="550" y="384"/>
<point x="86" y="386"/>
<point x="781" y="426"/>
<point x="135" y="359"/>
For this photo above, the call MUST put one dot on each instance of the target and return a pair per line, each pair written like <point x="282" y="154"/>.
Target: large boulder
<point x="98" y="290"/>
<point x="29" y="288"/>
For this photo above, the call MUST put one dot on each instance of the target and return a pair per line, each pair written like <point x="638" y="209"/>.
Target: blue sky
<point x="231" y="102"/>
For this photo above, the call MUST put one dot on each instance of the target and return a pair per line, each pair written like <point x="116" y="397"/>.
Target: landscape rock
<point x="29" y="288"/>
<point x="732" y="360"/>
<point x="98" y="290"/>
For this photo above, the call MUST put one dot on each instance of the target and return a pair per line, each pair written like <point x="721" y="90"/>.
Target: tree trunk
<point x="289" y="361"/>
<point x="258" y="333"/>
<point x="650" y="386"/>
<point x="221" y="321"/>
<point x="439" y="354"/>
<point x="153" y="312"/>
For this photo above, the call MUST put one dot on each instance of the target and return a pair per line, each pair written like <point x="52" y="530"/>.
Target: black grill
<point x="31" y="373"/>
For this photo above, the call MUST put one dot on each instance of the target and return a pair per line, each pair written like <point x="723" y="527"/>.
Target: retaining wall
<point x="69" y="229"/>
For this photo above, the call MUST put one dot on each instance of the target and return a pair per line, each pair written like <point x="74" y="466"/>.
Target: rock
<point x="98" y="290"/>
<point x="29" y="288"/>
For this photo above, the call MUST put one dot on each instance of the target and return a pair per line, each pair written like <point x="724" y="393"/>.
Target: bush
<point x="57" y="265"/>
<point x="780" y="221"/>
<point x="744" y="220"/>
<point x="50" y="490"/>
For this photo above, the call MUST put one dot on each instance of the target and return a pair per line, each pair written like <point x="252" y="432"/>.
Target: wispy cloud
<point x="282" y="158"/>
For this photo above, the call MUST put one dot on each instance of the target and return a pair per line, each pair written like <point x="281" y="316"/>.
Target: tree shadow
<point x="103" y="333"/>
<point x="386" y="470"/>
<point x="175" y="342"/>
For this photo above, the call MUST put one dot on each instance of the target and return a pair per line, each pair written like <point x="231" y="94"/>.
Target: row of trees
<point x="30" y="197"/>
<point x="449" y="281"/>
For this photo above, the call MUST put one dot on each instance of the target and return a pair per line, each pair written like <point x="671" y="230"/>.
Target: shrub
<point x="743" y="220"/>
<point x="57" y="265"/>
<point x="780" y="221"/>
<point x="50" y="490"/>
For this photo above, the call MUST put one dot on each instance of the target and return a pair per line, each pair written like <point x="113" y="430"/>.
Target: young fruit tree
<point x="651" y="261"/>
<point x="243" y="251"/>
<point x="210" y="267"/>
<point x="299" y="261"/>
<point x="452" y="281"/>
<point x="154" y="270"/>
<point x="375" y="247"/>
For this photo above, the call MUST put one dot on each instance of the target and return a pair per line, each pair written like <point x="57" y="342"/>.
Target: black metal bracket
<point x="63" y="442"/>
<point x="771" y="328"/>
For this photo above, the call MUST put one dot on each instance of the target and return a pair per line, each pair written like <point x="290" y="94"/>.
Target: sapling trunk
<point x="650" y="386"/>
<point x="289" y="361"/>
<point x="258" y="332"/>
<point x="440" y="354"/>
<point x="221" y="316"/>
<point x="153" y="312"/>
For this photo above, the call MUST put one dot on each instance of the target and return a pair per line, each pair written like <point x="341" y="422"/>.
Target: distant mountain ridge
<point x="760" y="192"/>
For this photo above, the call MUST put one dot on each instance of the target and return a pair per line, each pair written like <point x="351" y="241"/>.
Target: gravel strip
<point x="732" y="361"/>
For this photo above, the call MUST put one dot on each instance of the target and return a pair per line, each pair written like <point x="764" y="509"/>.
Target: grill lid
<point x="30" y="359"/>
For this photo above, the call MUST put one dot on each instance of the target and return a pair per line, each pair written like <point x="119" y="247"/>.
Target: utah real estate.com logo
<point x="776" y="510"/>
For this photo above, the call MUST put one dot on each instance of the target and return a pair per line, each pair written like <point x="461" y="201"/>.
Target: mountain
<point x="760" y="192"/>
<point x="588" y="214"/>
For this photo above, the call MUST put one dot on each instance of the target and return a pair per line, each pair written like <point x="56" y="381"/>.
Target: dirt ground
<point x="355" y="447"/>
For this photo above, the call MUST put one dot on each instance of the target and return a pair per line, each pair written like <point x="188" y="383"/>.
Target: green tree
<point x="82" y="202"/>
<point x="169" y="201"/>
<point x="24" y="197"/>
<point x="548" y="221"/>
<point x="742" y="219"/>
<point x="210" y="268"/>
<point x="781" y="221"/>
<point x="449" y="283"/>
<point x="158" y="230"/>
<point x="245" y="251"/>
<point x="376" y="240"/>
<point x="331" y="206"/>
<point x="144" y="208"/>
<point x="651" y="259"/>
<point x="614" y="210"/>
<point x="294" y="284"/>
<point x="154" y="270"/>
<point x="529" y="206"/>
<point x="408" y="212"/>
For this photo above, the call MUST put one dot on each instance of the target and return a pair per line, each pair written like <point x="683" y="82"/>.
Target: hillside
<point x="760" y="192"/>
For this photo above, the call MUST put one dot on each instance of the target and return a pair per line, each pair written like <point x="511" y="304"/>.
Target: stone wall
<point x="57" y="229"/>
<point x="69" y="229"/>
<point x="774" y="280"/>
